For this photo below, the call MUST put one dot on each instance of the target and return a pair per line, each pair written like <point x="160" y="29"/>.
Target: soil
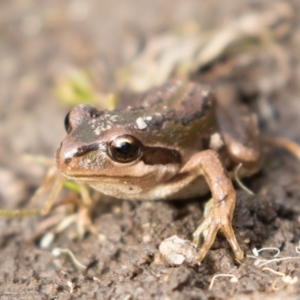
<point x="41" y="42"/>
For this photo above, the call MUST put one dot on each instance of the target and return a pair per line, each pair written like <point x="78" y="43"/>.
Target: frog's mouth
<point x="138" y="171"/>
<point x="136" y="174"/>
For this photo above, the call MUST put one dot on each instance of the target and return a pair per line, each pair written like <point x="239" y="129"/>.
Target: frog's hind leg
<point x="239" y="128"/>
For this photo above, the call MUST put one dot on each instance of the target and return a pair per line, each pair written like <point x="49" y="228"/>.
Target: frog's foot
<point x="81" y="219"/>
<point x="215" y="218"/>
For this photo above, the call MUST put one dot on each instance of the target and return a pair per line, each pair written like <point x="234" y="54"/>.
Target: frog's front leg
<point x="219" y="210"/>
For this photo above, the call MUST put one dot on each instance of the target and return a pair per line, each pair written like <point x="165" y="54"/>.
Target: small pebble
<point x="176" y="251"/>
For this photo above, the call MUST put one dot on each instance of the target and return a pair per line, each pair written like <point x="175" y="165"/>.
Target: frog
<point x="175" y="141"/>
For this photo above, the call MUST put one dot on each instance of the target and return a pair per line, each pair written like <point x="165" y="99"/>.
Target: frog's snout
<point x="63" y="157"/>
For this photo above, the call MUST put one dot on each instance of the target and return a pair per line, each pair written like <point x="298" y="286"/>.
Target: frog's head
<point x="110" y="147"/>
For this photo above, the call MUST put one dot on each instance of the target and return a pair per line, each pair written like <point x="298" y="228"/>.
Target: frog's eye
<point x="67" y="123"/>
<point x="124" y="149"/>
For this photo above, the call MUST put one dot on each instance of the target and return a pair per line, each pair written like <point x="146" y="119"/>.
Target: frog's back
<point x="175" y="114"/>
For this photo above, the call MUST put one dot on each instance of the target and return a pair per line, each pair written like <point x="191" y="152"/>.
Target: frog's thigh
<point x="249" y="157"/>
<point x="219" y="211"/>
<point x="241" y="136"/>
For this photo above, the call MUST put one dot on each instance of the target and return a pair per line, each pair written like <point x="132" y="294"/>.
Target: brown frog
<point x="178" y="142"/>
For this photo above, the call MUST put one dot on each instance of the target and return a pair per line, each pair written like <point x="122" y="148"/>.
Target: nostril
<point x="68" y="160"/>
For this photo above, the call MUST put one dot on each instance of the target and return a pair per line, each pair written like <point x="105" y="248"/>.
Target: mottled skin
<point x="186" y="143"/>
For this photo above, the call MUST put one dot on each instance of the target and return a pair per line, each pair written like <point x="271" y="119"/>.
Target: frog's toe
<point x="230" y="236"/>
<point x="205" y="235"/>
<point x="202" y="231"/>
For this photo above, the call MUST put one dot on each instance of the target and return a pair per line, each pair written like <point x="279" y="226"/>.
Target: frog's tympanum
<point x="176" y="142"/>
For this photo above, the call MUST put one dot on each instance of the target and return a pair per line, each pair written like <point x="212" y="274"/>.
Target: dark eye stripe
<point x="86" y="149"/>
<point x="150" y="155"/>
<point x="160" y="156"/>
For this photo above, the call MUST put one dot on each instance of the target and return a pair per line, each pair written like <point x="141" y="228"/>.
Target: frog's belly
<point x="186" y="188"/>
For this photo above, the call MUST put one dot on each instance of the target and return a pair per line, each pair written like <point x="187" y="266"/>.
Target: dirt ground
<point x="42" y="42"/>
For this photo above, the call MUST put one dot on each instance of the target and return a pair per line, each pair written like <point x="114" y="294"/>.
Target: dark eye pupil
<point x="124" y="149"/>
